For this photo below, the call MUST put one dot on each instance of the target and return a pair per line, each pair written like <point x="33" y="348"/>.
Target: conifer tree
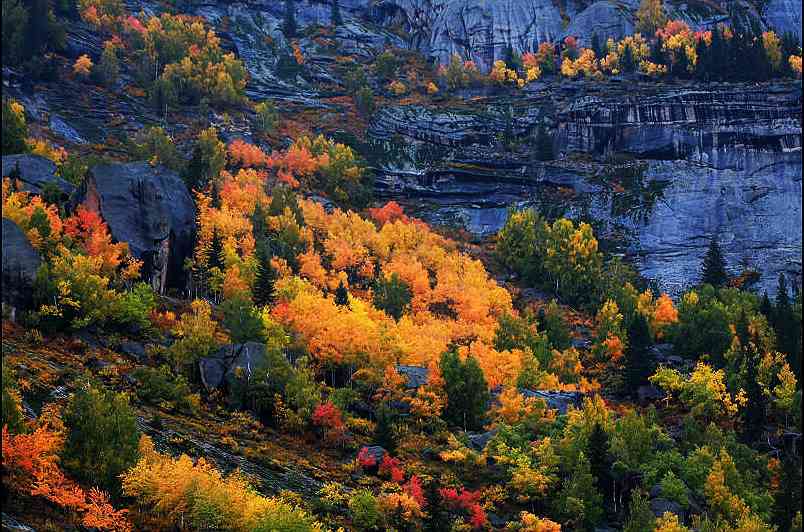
<point x="638" y="365"/>
<point x="289" y="27"/>
<point x="335" y="15"/>
<point x="265" y="279"/>
<point x="640" y="516"/>
<point x="341" y="295"/>
<point x="714" y="266"/>
<point x="215" y="257"/>
<point x="466" y="390"/>
<point x="597" y="449"/>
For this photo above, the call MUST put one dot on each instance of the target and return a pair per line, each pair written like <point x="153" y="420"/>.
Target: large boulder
<point x="151" y="210"/>
<point x="20" y="263"/>
<point x="230" y="364"/>
<point x="35" y="173"/>
<point x="415" y="376"/>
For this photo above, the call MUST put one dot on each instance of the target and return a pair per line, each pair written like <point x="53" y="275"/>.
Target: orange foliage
<point x="246" y="155"/>
<point x="88" y="229"/>
<point x="390" y="212"/>
<point x="30" y="461"/>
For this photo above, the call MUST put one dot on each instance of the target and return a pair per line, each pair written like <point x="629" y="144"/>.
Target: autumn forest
<point x="401" y="265"/>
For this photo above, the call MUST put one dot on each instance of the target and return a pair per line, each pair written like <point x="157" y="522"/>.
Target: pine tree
<point x="638" y="365"/>
<point x="289" y="27"/>
<point x="215" y="257"/>
<point x="335" y="15"/>
<point x="579" y="501"/>
<point x="466" y="390"/>
<point x="596" y="45"/>
<point x="714" y="266"/>
<point x="765" y="307"/>
<point x="640" y="516"/>
<point x="597" y="449"/>
<point x="265" y="279"/>
<point x="383" y="433"/>
<point x="341" y="295"/>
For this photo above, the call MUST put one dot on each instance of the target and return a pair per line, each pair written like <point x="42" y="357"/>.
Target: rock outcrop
<point x="722" y="160"/>
<point x="231" y="363"/>
<point x="151" y="209"/>
<point x="20" y="263"/>
<point x="35" y="173"/>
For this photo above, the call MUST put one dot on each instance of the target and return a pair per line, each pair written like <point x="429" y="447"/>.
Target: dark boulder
<point x="375" y="452"/>
<point x="231" y="363"/>
<point x="20" y="263"/>
<point x="133" y="349"/>
<point x="479" y="441"/>
<point x="35" y="173"/>
<point x="661" y="506"/>
<point x="149" y="208"/>
<point x="648" y="393"/>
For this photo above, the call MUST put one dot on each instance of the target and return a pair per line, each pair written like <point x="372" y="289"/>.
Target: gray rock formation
<point x="20" y="263"/>
<point x="35" y="173"/>
<point x="151" y="209"/>
<point x="784" y="16"/>
<point x="560" y="401"/>
<point x="230" y="363"/>
<point x="723" y="160"/>
<point x="415" y="376"/>
<point x="604" y="18"/>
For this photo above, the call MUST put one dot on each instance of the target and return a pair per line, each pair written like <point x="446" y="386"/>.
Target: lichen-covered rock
<point x="415" y="376"/>
<point x="35" y="173"/>
<point x="20" y="263"/>
<point x="149" y="208"/>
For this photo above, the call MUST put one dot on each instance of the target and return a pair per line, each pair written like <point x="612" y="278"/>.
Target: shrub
<point x="11" y="412"/>
<point x="102" y="437"/>
<point x="159" y="384"/>
<point x="15" y="130"/>
<point x="365" y="511"/>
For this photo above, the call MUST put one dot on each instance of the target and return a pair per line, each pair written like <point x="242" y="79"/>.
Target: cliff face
<point x="701" y="162"/>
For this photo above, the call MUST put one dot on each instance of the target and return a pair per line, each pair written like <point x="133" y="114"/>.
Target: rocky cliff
<point x="662" y="170"/>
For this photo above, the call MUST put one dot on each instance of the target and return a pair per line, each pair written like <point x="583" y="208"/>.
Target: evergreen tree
<point x="787" y="501"/>
<point x="638" y="365"/>
<point x="102" y="440"/>
<point x="628" y="63"/>
<point x="242" y="320"/>
<point x="640" y="516"/>
<point x="579" y="501"/>
<point x="787" y="326"/>
<point x="341" y="295"/>
<point x="215" y="257"/>
<point x="437" y="518"/>
<point x="713" y="270"/>
<point x="335" y="15"/>
<point x="596" y="45"/>
<point x="392" y="295"/>
<point x="766" y="307"/>
<point x="289" y="27"/>
<point x="383" y="432"/>
<point x="265" y="279"/>
<point x="597" y="449"/>
<point x="466" y="390"/>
